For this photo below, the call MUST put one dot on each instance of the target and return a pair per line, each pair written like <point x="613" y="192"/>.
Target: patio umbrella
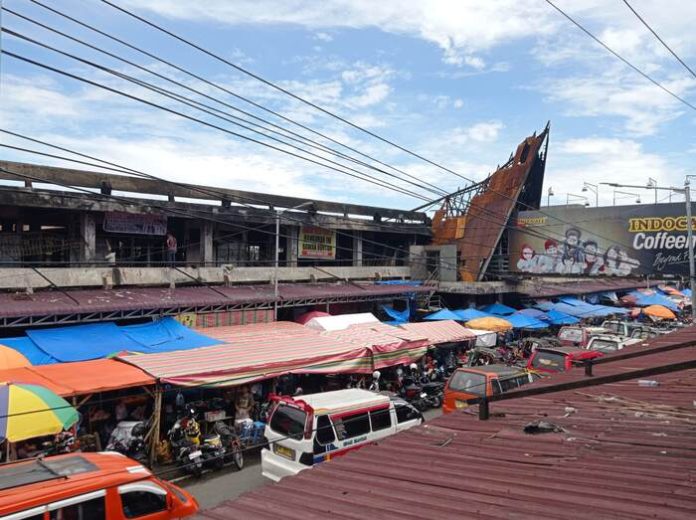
<point x="491" y="323"/>
<point x="470" y="314"/>
<point x="498" y="308"/>
<point x="659" y="311"/>
<point x="28" y="411"/>
<point x="10" y="358"/>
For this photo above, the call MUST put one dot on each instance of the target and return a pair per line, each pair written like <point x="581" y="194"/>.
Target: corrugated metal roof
<point x="97" y="300"/>
<point x="581" y="286"/>
<point x="622" y="450"/>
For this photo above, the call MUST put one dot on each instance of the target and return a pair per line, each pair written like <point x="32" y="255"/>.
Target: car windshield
<point x="469" y="382"/>
<point x="549" y="361"/>
<point x="574" y="335"/>
<point x="288" y="420"/>
<point x="604" y="345"/>
<point x="612" y="326"/>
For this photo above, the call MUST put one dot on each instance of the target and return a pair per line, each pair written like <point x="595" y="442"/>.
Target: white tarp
<point x="484" y="338"/>
<point x="341" y="321"/>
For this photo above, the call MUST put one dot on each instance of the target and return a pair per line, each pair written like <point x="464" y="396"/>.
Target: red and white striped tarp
<point x="275" y="328"/>
<point x="253" y="358"/>
<point x="437" y="332"/>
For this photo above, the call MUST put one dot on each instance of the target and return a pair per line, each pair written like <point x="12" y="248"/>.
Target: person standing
<point x="171" y="246"/>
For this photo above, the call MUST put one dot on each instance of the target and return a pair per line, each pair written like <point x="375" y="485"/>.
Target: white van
<point x="309" y="429"/>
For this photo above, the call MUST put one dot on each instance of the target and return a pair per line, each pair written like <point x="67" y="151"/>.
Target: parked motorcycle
<point x="231" y="443"/>
<point x="64" y="442"/>
<point x="213" y="451"/>
<point x="185" y="451"/>
<point x="129" y="438"/>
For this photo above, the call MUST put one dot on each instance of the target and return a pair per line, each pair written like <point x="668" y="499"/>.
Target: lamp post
<point x="652" y="183"/>
<point x="690" y="243"/>
<point x="277" y="249"/>
<point x="594" y="188"/>
<point x="571" y="195"/>
<point x="548" y="196"/>
<point x="626" y="193"/>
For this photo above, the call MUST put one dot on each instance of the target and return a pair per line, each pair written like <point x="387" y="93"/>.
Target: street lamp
<point x="652" y="183"/>
<point x="628" y="193"/>
<point x="277" y="248"/>
<point x="548" y="197"/>
<point x="571" y="195"/>
<point x="594" y="188"/>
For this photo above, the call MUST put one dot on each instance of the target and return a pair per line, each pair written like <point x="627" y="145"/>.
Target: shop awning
<point x="254" y="358"/>
<point x="438" y="332"/>
<point x="80" y="378"/>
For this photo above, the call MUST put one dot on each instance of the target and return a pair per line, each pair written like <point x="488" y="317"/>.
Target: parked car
<point x="608" y="343"/>
<point x="622" y="328"/>
<point x="472" y="382"/>
<point x="559" y="359"/>
<point x="577" y="336"/>
<point x="309" y="429"/>
<point x="106" y="485"/>
<point x="644" y="332"/>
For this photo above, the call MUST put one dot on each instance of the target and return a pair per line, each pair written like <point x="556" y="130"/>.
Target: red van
<point x="88" y="486"/>
<point x="558" y="359"/>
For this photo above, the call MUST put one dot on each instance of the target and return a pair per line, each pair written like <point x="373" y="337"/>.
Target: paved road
<point x="215" y="487"/>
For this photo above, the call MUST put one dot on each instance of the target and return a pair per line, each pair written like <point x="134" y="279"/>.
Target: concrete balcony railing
<point x="23" y="278"/>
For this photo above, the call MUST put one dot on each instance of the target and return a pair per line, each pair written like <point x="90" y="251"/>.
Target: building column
<point x="87" y="239"/>
<point x="206" y="255"/>
<point x="357" y="249"/>
<point x="291" y="248"/>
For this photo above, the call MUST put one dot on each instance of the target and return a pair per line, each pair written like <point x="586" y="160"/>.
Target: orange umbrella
<point x="659" y="311"/>
<point x="10" y="358"/>
<point x="489" y="323"/>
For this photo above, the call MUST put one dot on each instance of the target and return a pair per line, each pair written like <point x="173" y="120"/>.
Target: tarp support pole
<point x="155" y="431"/>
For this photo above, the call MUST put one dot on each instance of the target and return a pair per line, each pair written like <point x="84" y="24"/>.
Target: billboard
<point x="606" y="241"/>
<point x="317" y="243"/>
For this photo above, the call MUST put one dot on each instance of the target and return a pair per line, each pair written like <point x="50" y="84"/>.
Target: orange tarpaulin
<point x="82" y="377"/>
<point x="659" y="311"/>
<point x="490" y="323"/>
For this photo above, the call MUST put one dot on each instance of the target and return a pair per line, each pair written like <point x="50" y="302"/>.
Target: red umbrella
<point x="304" y="318"/>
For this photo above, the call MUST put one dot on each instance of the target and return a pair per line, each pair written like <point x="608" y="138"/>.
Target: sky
<point x="460" y="83"/>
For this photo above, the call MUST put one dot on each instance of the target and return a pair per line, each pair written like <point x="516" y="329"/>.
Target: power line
<point x="276" y="87"/>
<point x="283" y="131"/>
<point x="207" y="109"/>
<point x="660" y="39"/>
<point x="617" y="55"/>
<point x="225" y="90"/>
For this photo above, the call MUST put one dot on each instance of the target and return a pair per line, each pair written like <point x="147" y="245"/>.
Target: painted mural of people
<point x="547" y="262"/>
<point x="611" y="261"/>
<point x="593" y="262"/>
<point x="626" y="263"/>
<point x="528" y="261"/>
<point x="571" y="245"/>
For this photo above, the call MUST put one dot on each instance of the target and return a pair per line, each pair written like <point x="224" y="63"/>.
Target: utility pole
<point x="690" y="244"/>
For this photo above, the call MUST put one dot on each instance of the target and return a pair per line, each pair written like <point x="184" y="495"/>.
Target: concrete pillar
<point x="87" y="237"/>
<point x="292" y="245"/>
<point x="206" y="243"/>
<point x="357" y="249"/>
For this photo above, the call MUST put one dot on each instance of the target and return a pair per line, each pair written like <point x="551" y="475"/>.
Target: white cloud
<point x="458" y="103"/>
<point x="324" y="37"/>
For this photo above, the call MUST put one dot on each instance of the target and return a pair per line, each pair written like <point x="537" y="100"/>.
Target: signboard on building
<point x="135" y="223"/>
<point x="317" y="243"/>
<point x="608" y="241"/>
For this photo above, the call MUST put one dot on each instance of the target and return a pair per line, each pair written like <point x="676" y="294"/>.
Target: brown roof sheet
<point x="622" y="450"/>
<point x="97" y="300"/>
<point x="581" y="286"/>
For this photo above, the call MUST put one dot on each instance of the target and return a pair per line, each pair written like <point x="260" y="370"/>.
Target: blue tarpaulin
<point x="657" y="299"/>
<point x="100" y="340"/>
<point x="396" y="316"/>
<point x="470" y="314"/>
<point x="560" y="318"/>
<point x="443" y="314"/>
<point x="520" y="321"/>
<point x="498" y="308"/>
<point x="534" y="313"/>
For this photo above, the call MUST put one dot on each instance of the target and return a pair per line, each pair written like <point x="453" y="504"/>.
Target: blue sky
<point x="460" y="82"/>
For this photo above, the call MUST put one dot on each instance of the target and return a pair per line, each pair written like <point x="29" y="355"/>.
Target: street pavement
<point x="215" y="487"/>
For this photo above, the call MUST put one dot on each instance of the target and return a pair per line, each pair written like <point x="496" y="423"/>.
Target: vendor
<point x="243" y="404"/>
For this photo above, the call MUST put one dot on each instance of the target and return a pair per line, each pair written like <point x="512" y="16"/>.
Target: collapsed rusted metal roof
<point x="546" y="288"/>
<point x="624" y="449"/>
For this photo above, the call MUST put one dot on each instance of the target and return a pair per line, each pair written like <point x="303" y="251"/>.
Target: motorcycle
<point x="213" y="451"/>
<point x="64" y="442"/>
<point x="186" y="452"/>
<point x="231" y="443"/>
<point x="128" y="438"/>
